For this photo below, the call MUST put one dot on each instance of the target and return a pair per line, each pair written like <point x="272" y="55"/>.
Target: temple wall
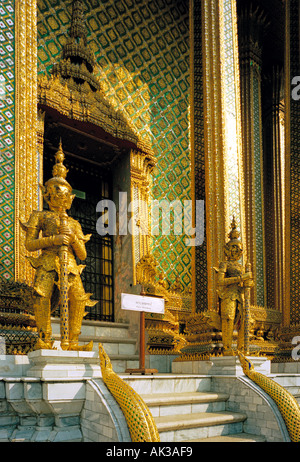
<point x="37" y="410"/>
<point x="123" y="253"/>
<point x="142" y="51"/>
<point x="19" y="171"/>
<point x="101" y="418"/>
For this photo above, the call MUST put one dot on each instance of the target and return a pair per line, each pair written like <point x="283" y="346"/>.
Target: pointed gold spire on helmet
<point x="234" y="234"/>
<point x="59" y="170"/>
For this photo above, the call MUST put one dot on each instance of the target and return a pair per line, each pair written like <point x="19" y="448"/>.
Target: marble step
<point x="113" y="336"/>
<point x="297" y="396"/>
<point x="122" y="362"/>
<point x="168" y="383"/>
<point x="234" y="438"/>
<point x="287" y="380"/>
<point x="112" y="345"/>
<point x="162" y="404"/>
<point x="290" y="382"/>
<point x="188" y="427"/>
<point x="97" y="329"/>
<point x="184" y="398"/>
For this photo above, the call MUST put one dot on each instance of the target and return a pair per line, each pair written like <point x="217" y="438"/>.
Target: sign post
<point x="142" y="303"/>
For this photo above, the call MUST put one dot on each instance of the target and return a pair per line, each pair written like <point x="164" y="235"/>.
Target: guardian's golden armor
<point x="232" y="281"/>
<point x="60" y="239"/>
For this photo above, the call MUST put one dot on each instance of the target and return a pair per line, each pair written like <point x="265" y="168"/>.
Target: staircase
<point x="185" y="410"/>
<point x="184" y="406"/>
<point x="291" y="382"/>
<point x="114" y="337"/>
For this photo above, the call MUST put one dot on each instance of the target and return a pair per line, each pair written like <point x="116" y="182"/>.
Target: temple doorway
<point x="90" y="162"/>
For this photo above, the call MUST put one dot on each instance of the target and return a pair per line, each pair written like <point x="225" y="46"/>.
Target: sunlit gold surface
<point x="53" y="91"/>
<point x="26" y="159"/>
<point x="60" y="239"/>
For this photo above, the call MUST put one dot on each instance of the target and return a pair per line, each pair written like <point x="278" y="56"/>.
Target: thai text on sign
<point x="142" y="303"/>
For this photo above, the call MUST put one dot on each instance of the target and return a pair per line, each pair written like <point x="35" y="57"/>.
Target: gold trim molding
<point x="27" y="165"/>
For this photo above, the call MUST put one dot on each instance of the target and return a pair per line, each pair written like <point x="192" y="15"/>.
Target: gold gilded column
<point x="251" y="25"/>
<point x="222" y="131"/>
<point x="27" y="159"/>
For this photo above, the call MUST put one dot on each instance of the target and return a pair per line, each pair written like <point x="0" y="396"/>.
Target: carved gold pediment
<point x="74" y="90"/>
<point x="79" y="102"/>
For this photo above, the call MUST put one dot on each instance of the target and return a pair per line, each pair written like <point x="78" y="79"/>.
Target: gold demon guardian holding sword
<point x="60" y="239"/>
<point x="234" y="282"/>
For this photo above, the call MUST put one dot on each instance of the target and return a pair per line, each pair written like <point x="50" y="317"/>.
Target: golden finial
<point x="59" y="170"/>
<point x="234" y="234"/>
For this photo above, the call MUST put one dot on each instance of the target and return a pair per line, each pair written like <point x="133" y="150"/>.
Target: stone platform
<point x="56" y="395"/>
<point x="48" y="364"/>
<point x="220" y="365"/>
<point x="56" y="364"/>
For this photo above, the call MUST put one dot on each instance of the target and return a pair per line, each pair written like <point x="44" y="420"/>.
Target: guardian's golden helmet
<point x="233" y="249"/>
<point x="57" y="191"/>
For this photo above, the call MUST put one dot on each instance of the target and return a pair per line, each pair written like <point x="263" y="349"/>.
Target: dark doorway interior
<point x="90" y="164"/>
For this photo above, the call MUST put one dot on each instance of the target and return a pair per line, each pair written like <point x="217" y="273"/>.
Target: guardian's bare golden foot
<point x="44" y="345"/>
<point x="76" y="347"/>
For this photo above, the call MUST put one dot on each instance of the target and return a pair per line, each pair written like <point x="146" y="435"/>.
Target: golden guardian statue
<point x="60" y="239"/>
<point x="234" y="283"/>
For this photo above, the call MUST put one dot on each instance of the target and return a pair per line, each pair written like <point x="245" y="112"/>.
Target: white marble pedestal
<point x="48" y="396"/>
<point x="230" y="365"/>
<point x="220" y="365"/>
<point x="55" y="364"/>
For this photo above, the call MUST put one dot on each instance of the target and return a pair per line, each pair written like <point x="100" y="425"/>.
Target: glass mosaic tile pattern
<point x="231" y="118"/>
<point x="201" y="280"/>
<point x="295" y="171"/>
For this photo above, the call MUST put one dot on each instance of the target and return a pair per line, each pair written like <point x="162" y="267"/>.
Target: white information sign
<point x="142" y="303"/>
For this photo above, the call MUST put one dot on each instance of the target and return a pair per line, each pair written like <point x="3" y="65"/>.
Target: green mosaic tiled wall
<point x="142" y="49"/>
<point x="7" y="104"/>
<point x="201" y="280"/>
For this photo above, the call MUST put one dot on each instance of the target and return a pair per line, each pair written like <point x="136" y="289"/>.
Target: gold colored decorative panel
<point x="18" y="103"/>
